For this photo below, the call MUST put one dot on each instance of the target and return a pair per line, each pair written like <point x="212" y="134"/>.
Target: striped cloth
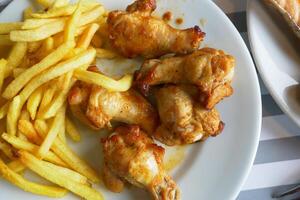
<point x="277" y="164"/>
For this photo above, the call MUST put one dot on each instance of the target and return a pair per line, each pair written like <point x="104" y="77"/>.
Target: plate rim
<point x="251" y="158"/>
<point x="281" y="103"/>
<point x="256" y="134"/>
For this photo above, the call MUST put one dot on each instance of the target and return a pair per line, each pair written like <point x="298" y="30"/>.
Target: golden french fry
<point x="60" y="3"/>
<point x="70" y="30"/>
<point x="28" y="186"/>
<point x="3" y="64"/>
<point x="27" y="128"/>
<point x="17" y="72"/>
<point x="15" y="57"/>
<point x="16" y="166"/>
<point x="62" y="135"/>
<point x="53" y="132"/>
<point x="61" y="68"/>
<point x="59" y="100"/>
<point x="36" y="23"/>
<point x="16" y="85"/>
<point x="57" y="177"/>
<point x="34" y="101"/>
<point x="13" y="113"/>
<point x="7" y="150"/>
<point x="62" y="131"/>
<point x="27" y="13"/>
<point x="50" y="29"/>
<point x="64" y="11"/>
<point x="39" y="33"/>
<point x="72" y="130"/>
<point x="72" y="175"/>
<point x="4" y="109"/>
<point x="123" y="84"/>
<point x="86" y="37"/>
<point x="105" y="53"/>
<point x="6" y="28"/>
<point x="66" y="154"/>
<point x="5" y="40"/>
<point x="47" y="98"/>
<point x="27" y="146"/>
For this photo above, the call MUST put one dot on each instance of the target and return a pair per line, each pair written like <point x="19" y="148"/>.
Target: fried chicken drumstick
<point x="183" y="119"/>
<point x="131" y="156"/>
<point x="97" y="107"/>
<point x="135" y="32"/>
<point x="209" y="69"/>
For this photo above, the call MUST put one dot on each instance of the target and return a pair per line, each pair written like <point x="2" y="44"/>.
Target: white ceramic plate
<point x="217" y="168"/>
<point x="276" y="56"/>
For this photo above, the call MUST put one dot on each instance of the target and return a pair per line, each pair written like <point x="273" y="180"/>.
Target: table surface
<point x="277" y="164"/>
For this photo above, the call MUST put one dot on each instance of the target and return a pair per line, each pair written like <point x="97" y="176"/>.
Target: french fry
<point x="15" y="57"/>
<point x="58" y="70"/>
<point x="61" y="98"/>
<point x="16" y="166"/>
<point x="27" y="146"/>
<point x="36" y="23"/>
<point x="60" y="3"/>
<point x="3" y="64"/>
<point x="6" y="28"/>
<point x="72" y="130"/>
<point x="39" y="33"/>
<point x="17" y="84"/>
<point x="34" y="101"/>
<point x="50" y="29"/>
<point x="64" y="11"/>
<point x="13" y="113"/>
<point x="47" y="98"/>
<point x="17" y="72"/>
<point x="7" y="150"/>
<point x="86" y="37"/>
<point x="4" y="109"/>
<point x="5" y="40"/>
<point x="27" y="128"/>
<point x="27" y="13"/>
<point x="58" y="178"/>
<point x="72" y="175"/>
<point x="105" y="53"/>
<point x="69" y="33"/>
<point x="28" y="186"/>
<point x="62" y="134"/>
<point x="66" y="154"/>
<point x="53" y="132"/>
<point x="62" y="131"/>
<point x="123" y="84"/>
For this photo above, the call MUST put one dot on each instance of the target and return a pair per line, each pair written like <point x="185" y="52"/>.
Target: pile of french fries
<point x="50" y="50"/>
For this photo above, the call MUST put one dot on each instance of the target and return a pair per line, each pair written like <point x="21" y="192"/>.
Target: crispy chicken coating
<point x="135" y="32"/>
<point x="183" y="119"/>
<point x="209" y="69"/>
<point x="97" y="107"/>
<point x="131" y="156"/>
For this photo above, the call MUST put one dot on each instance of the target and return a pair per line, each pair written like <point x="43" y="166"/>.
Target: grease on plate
<point x="175" y="158"/>
<point x="202" y="22"/>
<point x="179" y="21"/>
<point x="167" y="16"/>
